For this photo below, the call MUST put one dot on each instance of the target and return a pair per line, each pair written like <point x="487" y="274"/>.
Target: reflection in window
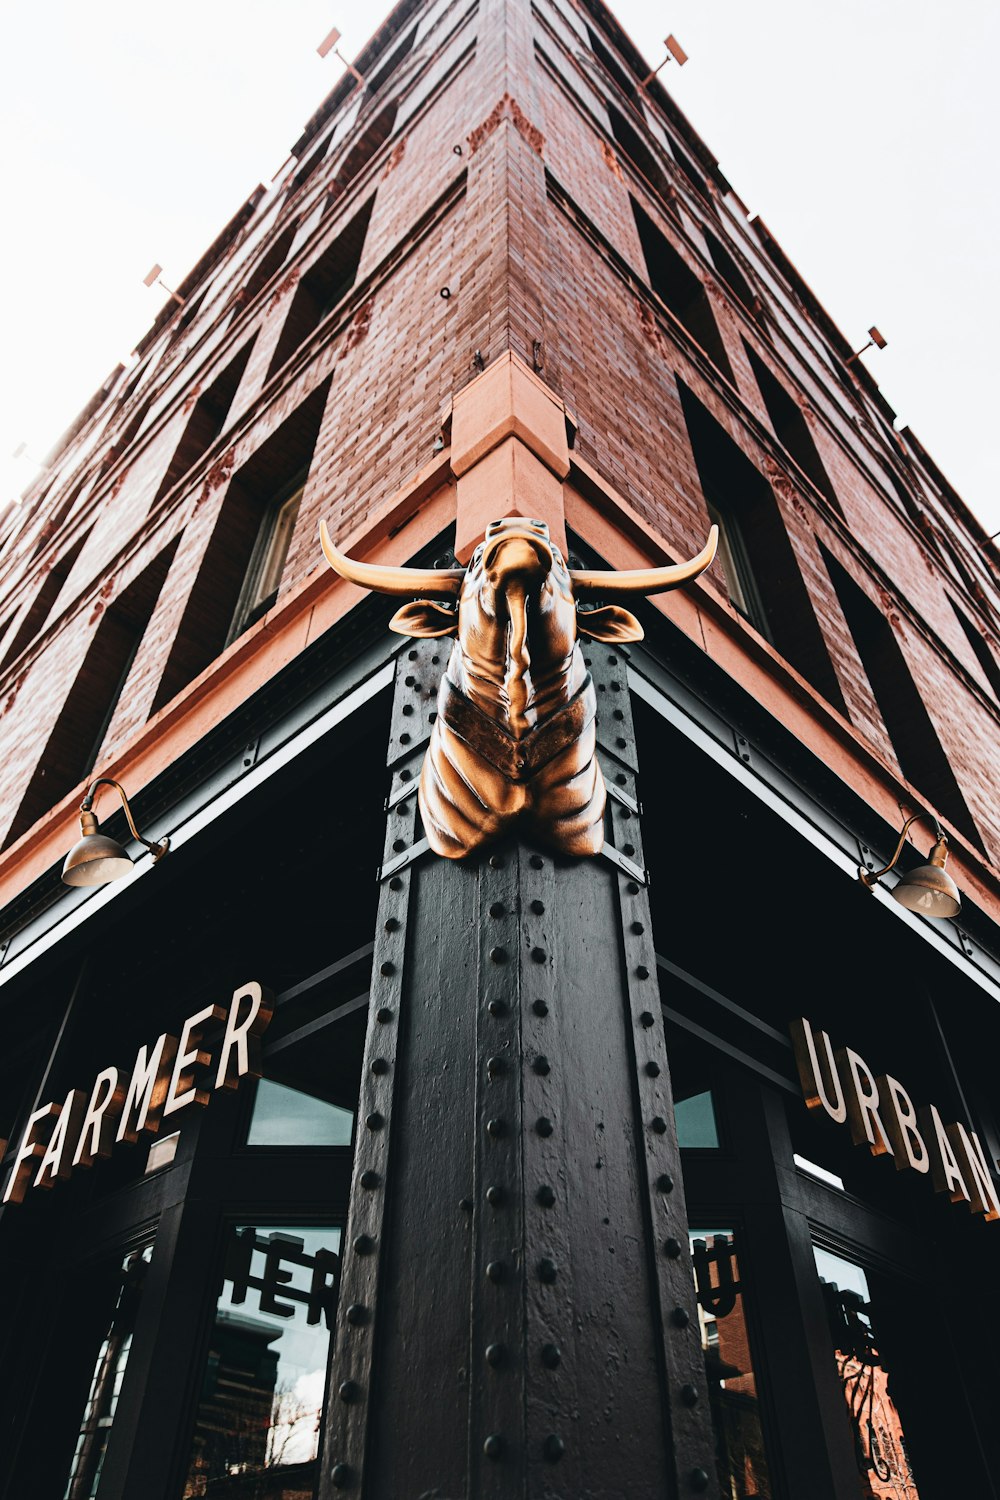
<point x="879" y="1444"/>
<point x="106" y="1382"/>
<point x="696" y="1124"/>
<point x="288" y="1117"/>
<point x="729" y="1372"/>
<point x="260" y="589"/>
<point x="258" y="1422"/>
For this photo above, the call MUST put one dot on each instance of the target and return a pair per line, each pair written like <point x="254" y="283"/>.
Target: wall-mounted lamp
<point x="928" y="889"/>
<point x="875" y="341"/>
<point x="675" y="51"/>
<point x="154" y="277"/>
<point x="97" y="859"/>
<point x="329" y="44"/>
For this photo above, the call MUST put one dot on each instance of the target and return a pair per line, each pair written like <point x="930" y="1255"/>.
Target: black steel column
<point x="517" y="1312"/>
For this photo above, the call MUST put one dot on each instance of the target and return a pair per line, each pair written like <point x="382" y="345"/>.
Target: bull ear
<point x="609" y="624"/>
<point x="424" y="618"/>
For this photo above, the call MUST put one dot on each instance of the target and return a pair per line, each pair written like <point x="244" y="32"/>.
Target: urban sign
<point x="882" y="1116"/>
<point x="217" y="1047"/>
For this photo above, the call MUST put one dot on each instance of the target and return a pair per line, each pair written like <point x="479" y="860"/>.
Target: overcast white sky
<point x="862" y="132"/>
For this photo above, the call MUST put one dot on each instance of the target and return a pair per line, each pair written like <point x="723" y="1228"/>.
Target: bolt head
<point x="543" y="1125"/>
<point x="493" y="1446"/>
<point x="646" y="1018"/>
<point x="672" y="1248"/>
<point x="349" y="1391"/>
<point x="496" y="1270"/>
<point x="653" y="1069"/>
<point x="364" y="1244"/>
<point x="380" y="1066"/>
<point x="497" y="909"/>
<point x="342" y="1476"/>
<point x="547" y="1270"/>
<point x="498" y="955"/>
<point x="641" y="972"/>
<point x="375" y="1121"/>
<point x="387" y="967"/>
<point x="495" y="1128"/>
<point x="538" y="907"/>
<point x="665" y="1183"/>
<point x="384" y="1014"/>
<point x="541" y="1066"/>
<point x="689" y="1395"/>
<point x="370" y="1179"/>
<point x="536" y="862"/>
<point x="495" y="1066"/>
<point x="497" y="861"/>
<point x="680" y="1317"/>
<point x="551" y="1356"/>
<point x="553" y="1448"/>
<point x="659" y="1124"/>
<point x="540" y="1007"/>
<point x="698" y="1480"/>
<point x="494" y="1195"/>
<point x="395" y="884"/>
<point x="357" y="1315"/>
<point x="494" y="1354"/>
<point x="497" y="1007"/>
<point x="545" y="1196"/>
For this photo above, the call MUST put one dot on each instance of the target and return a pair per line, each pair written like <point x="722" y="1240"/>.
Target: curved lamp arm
<point x="157" y="850"/>
<point x="871" y="878"/>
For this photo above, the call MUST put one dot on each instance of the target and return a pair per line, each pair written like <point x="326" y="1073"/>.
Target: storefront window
<point x="106" y="1381"/>
<point x="259" y="1417"/>
<point x="884" y="1469"/>
<point x="284" y="1116"/>
<point x="729" y="1370"/>
<point x="696" y="1123"/>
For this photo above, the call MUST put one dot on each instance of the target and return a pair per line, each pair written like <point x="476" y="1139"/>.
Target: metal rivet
<point x="637" y="928"/>
<point x="395" y="884"/>
<point x="495" y="1128"/>
<point x="536" y="862"/>
<point x="364" y="1244"/>
<point x="553" y="1448"/>
<point x="466" y="1205"/>
<point x="413" y="655"/>
<point x="349" y="1391"/>
<point x="493" y="1446"/>
<point x="406" y="775"/>
<point x="646" y="1018"/>
<point x="618" y="714"/>
<point x="659" y="1124"/>
<point x="551" y="1356"/>
<point x="357" y="1315"/>
<point x="498" y="955"/>
<point x="494" y="1195"/>
<point x="698" y="1479"/>
<point x="402" y="807"/>
<point x="407" y="710"/>
<point x="432" y="716"/>
<point x="342" y="1476"/>
<point x="387" y="967"/>
<point x="641" y="972"/>
<point x="539" y="1007"/>
<point x="498" y="909"/>
<point x="672" y="1248"/>
<point x="495" y="1066"/>
<point x="392" y="924"/>
<point x="653" y="1069"/>
<point x="689" y="1395"/>
<point x="409" y="680"/>
<point x="543" y="1125"/>
<point x="547" y="1269"/>
<point x="545" y="1196"/>
<point x="380" y="1066"/>
<point x="384" y="1014"/>
<point x="538" y="907"/>
<point x="616" y="687"/>
<point x="665" y="1183"/>
<point x="399" y="845"/>
<point x="680" y="1317"/>
<point x="632" y="888"/>
<point x="370" y="1179"/>
<point x="497" y="1007"/>
<point x="436" y="660"/>
<point x="497" y="861"/>
<point x="405" y="738"/>
<point x="494" y="1354"/>
<point x="541" y="1066"/>
<point x="620" y="743"/>
<point x="621" y="779"/>
<point x="375" y="1121"/>
<point x="628" y="849"/>
<point x="496" y="1270"/>
<point x="539" y="955"/>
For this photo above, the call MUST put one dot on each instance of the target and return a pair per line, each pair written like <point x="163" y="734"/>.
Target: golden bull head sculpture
<point x="514" y="740"/>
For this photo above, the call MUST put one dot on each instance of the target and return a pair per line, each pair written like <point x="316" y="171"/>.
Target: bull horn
<point x="405" y="582"/>
<point x="646" y="580"/>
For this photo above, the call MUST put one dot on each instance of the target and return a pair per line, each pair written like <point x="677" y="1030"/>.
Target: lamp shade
<point x="95" y="860"/>
<point x="930" y="891"/>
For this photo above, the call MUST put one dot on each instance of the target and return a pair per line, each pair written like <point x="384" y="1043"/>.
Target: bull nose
<point x="518" y="552"/>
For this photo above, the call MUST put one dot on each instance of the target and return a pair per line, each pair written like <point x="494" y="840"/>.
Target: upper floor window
<point x="392" y="62"/>
<point x="641" y="156"/>
<point x="612" y="66"/>
<point x="728" y="268"/>
<point x="260" y="589"/>
<point x="790" y="427"/>
<point x="207" y="420"/>
<point x="323" y="286"/>
<point x="673" y="280"/>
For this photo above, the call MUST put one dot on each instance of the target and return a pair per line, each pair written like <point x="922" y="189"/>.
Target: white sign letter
<point x="244" y="1036"/>
<point x="901" y="1123"/>
<point x="817" y="1074"/>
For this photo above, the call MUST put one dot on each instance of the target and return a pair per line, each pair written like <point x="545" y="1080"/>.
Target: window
<point x="913" y="737"/>
<point x="327" y="282"/>
<point x="982" y="652"/>
<point x="391" y="64"/>
<point x="638" y="152"/>
<point x="727" y="267"/>
<point x="206" y="420"/>
<point x="790" y="427"/>
<point x="79" y="732"/>
<point x="46" y="597"/>
<point x="270" y="262"/>
<point x="266" y="483"/>
<point x="690" y="171"/>
<point x="612" y="66"/>
<point x="260" y="588"/>
<point x="674" y="282"/>
<point x="763" y="578"/>
<point x="696" y="1124"/>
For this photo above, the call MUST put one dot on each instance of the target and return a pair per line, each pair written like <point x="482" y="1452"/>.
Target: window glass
<point x="259" y="1416"/>
<point x="696" y="1124"/>
<point x="283" y="1116"/>
<point x="884" y="1468"/>
<point x="106" y="1381"/>
<point x="729" y="1372"/>
<point x="268" y="563"/>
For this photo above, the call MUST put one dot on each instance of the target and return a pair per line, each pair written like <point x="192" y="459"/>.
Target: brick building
<point x="441" y="1247"/>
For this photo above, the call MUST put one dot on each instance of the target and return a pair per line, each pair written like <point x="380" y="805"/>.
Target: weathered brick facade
<point x="501" y="194"/>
